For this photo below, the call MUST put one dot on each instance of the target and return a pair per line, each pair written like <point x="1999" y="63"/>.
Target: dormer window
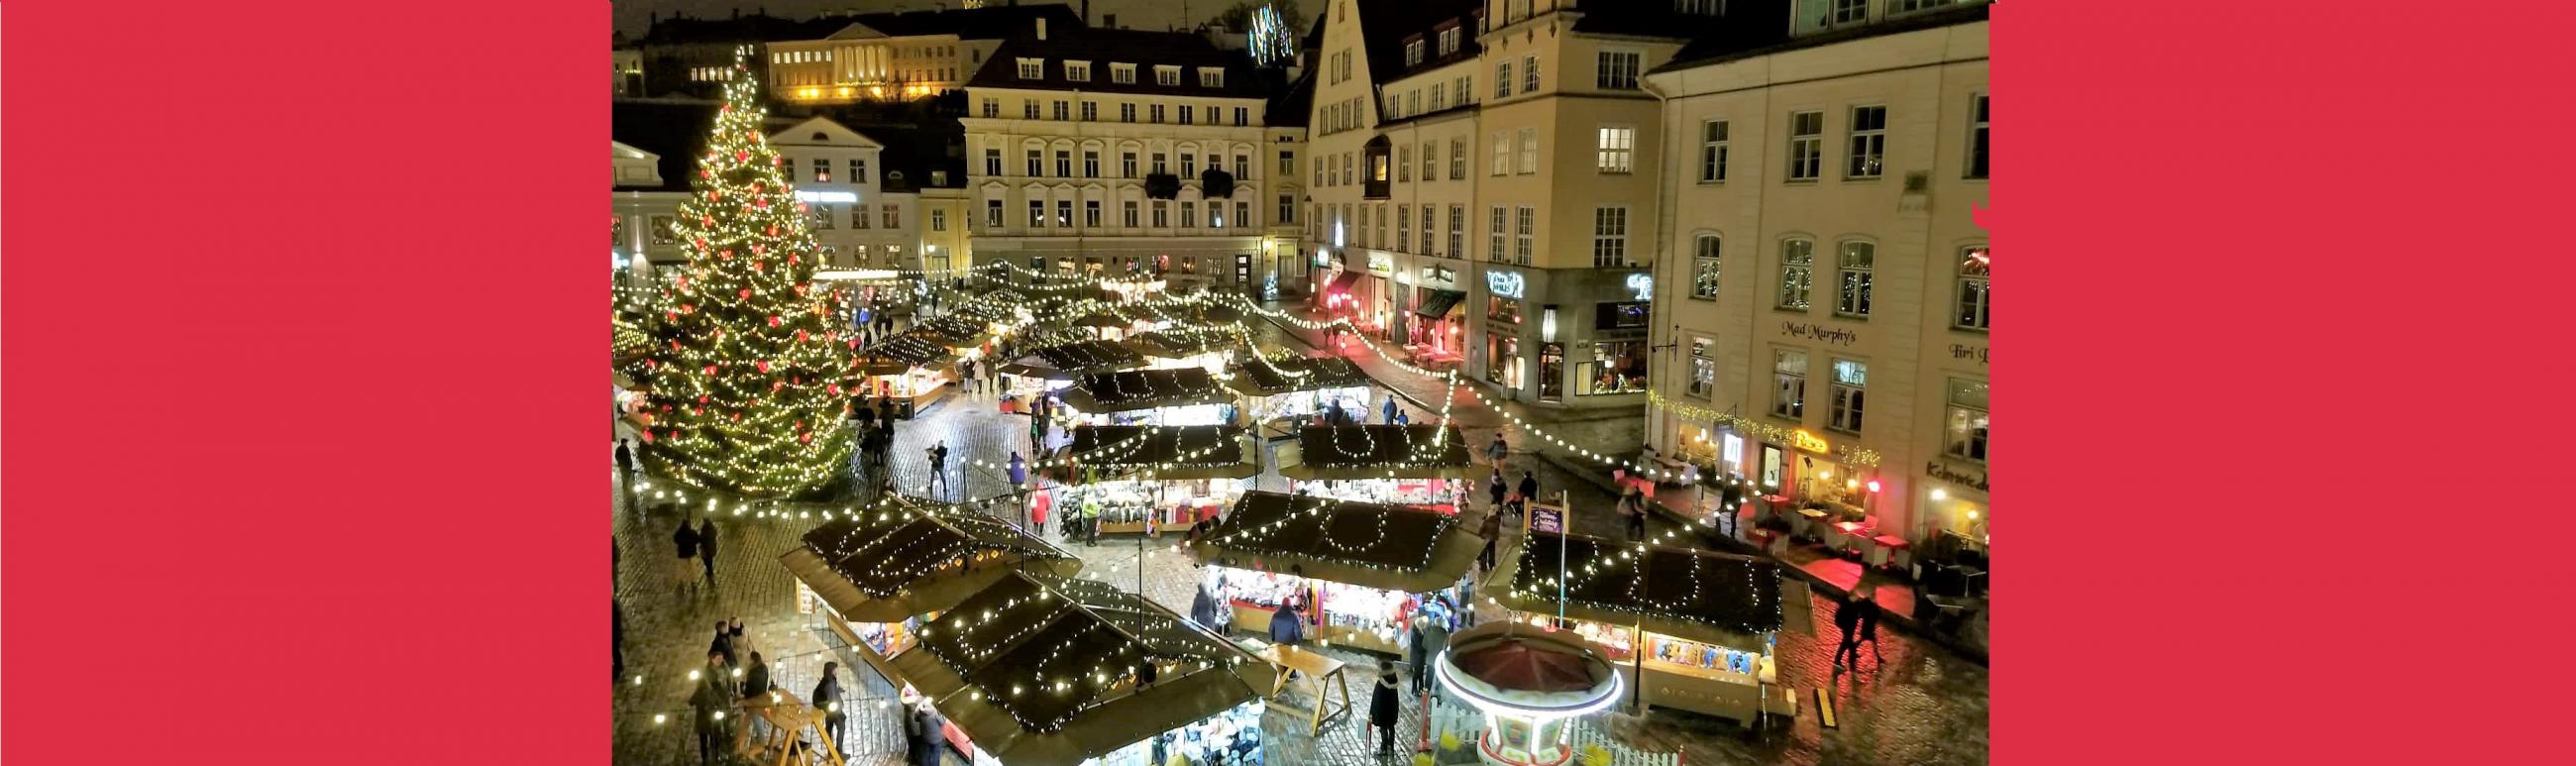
<point x="1413" y="53"/>
<point x="1167" y="76"/>
<point x="1077" y="71"/>
<point x="1449" y="40"/>
<point x="1211" y="78"/>
<point x="1123" y="74"/>
<point x="1032" y="69"/>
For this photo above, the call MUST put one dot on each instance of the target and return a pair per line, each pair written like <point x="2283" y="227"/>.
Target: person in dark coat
<point x="755" y="685"/>
<point x="617" y="637"/>
<point x="722" y="646"/>
<point x="1389" y="409"/>
<point x="1495" y="452"/>
<point x="625" y="458"/>
<point x="1496" y="489"/>
<point x="1848" y="617"/>
<point x="707" y="704"/>
<point x="707" y="547"/>
<point x="827" y="698"/>
<point x="1286" y="626"/>
<point x="686" y="539"/>
<point x="1492" y="531"/>
<point x="1528" y="489"/>
<point x="1383" y="709"/>
<point x="1632" y="507"/>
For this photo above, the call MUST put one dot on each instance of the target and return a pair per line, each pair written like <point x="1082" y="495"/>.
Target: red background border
<point x="302" y="357"/>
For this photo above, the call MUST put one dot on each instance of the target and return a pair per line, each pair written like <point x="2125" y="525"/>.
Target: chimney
<point x="1086" y="11"/>
<point x="1041" y="28"/>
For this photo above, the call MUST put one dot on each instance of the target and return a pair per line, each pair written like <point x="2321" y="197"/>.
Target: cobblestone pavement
<point x="1924" y="705"/>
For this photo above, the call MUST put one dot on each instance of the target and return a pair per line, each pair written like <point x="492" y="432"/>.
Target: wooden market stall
<point x="1182" y="397"/>
<point x="911" y="369"/>
<point x="1207" y="349"/>
<point x="1360" y="566"/>
<point x="1177" y="476"/>
<point x="1038" y="669"/>
<point x="1090" y="357"/>
<point x="1418" y="465"/>
<point x="1693" y="629"/>
<point x="871" y="578"/>
<point x="1292" y="391"/>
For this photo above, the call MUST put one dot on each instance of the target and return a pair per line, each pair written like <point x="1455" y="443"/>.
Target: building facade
<point x="1487" y="186"/>
<point x="902" y="55"/>
<point x="1117" y="151"/>
<point x="840" y="175"/>
<point x="1826" y="297"/>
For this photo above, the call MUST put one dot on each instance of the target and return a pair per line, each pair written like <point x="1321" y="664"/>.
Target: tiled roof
<point x="1103" y="47"/>
<point x="1759" y="36"/>
<point x="1385" y="24"/>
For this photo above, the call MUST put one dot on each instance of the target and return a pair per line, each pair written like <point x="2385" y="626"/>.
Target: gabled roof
<point x="675" y="130"/>
<point x="822" y="131"/>
<point x="1386" y="24"/>
<point x="1759" y="33"/>
<point x="1290" y="108"/>
<point x="1103" y="47"/>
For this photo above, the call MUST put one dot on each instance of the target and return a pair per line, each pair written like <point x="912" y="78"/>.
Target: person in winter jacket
<point x="1286" y="626"/>
<point x="686" y="539"/>
<point x="827" y="697"/>
<point x="1495" y="452"/>
<point x="713" y="696"/>
<point x="1203" y="609"/>
<point x="1849" y="617"/>
<point x="707" y="547"/>
<point x="1492" y="531"/>
<point x="1383" y="709"/>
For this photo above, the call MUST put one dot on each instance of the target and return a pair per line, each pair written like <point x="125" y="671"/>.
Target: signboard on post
<point x="1542" y="518"/>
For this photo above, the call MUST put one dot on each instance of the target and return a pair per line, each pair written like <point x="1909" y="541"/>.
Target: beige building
<point x="1105" y="150"/>
<point x="902" y="55"/>
<point x="1826" y="294"/>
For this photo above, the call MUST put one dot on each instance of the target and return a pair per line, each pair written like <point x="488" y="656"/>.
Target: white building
<point x="902" y="55"/>
<point x="1827" y="291"/>
<point x="1100" y="150"/>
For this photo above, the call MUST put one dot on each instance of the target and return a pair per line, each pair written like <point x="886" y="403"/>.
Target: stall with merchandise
<point x="1359" y="570"/>
<point x="910" y="369"/>
<point x="1090" y="357"/>
<point x="1204" y="348"/>
<point x="1293" y="390"/>
<point x="1155" y="479"/>
<point x="1039" y="669"/>
<point x="1692" y="629"/>
<point x="872" y="578"/>
<point x="1182" y="397"/>
<point x="1413" y="465"/>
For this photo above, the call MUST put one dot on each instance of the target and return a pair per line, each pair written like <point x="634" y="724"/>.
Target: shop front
<point x="1437" y="340"/>
<point x="1562" y="337"/>
<point x="1423" y="466"/>
<point x="1689" y="629"/>
<point x="1358" y="571"/>
<point x="1151" y="480"/>
<point x="1043" y="669"/>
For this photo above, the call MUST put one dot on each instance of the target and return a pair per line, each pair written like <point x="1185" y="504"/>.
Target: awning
<point x="1181" y="344"/>
<point x="1215" y="452"/>
<point x="1026" y="370"/>
<point x="1365" y="544"/>
<point x="1144" y="390"/>
<point x="1267" y="377"/>
<point x="1025" y="669"/>
<point x="1376" y="452"/>
<point x="1091" y="356"/>
<point x="1440" y="303"/>
<point x="914" y="557"/>
<point x="1718" y="598"/>
<point x="1343" y="283"/>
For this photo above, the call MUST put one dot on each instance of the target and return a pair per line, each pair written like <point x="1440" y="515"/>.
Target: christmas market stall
<point x="1422" y="465"/>
<point x="1294" y="390"/>
<point x="1691" y="629"/>
<point x="1154" y="479"/>
<point x="911" y="369"/>
<point x="1038" y="669"/>
<point x="1171" y="348"/>
<point x="1090" y="357"/>
<point x="871" y="579"/>
<point x="1359" y="570"/>
<point x="1182" y="397"/>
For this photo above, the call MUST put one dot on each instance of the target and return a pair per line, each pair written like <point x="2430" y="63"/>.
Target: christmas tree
<point x="745" y="381"/>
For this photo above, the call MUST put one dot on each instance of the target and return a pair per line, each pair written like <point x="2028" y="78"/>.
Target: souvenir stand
<point x="1178" y="475"/>
<point x="1182" y="397"/>
<point x="1038" y="669"/>
<point x="1691" y="629"/>
<point x="1289" y="392"/>
<point x="1359" y="567"/>
<point x="1422" y="465"/>
<point x="910" y="368"/>
<point x="872" y="579"/>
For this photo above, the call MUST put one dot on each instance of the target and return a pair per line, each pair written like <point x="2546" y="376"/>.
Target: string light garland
<point x="1857" y="457"/>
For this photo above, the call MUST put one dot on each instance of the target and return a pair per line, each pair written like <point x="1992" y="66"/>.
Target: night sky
<point x="633" y="16"/>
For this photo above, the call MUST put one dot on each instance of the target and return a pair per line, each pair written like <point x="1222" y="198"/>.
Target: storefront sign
<point x="1643" y="285"/>
<point x="1382" y="263"/>
<point x="1937" y="470"/>
<point x="804" y="599"/>
<point x="1819" y="332"/>
<point x="1505" y="284"/>
<point x="1810" y="442"/>
<point x="1964" y="351"/>
<point x="1439" y="274"/>
<point x="1549" y="520"/>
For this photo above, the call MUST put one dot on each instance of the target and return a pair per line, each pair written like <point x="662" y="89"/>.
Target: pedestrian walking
<point x="1848" y="617"/>
<point x="827" y="698"/>
<point x="1495" y="452"/>
<point x="1383" y="709"/>
<point x="723" y="645"/>
<point x="1389" y="409"/>
<point x="1495" y="489"/>
<point x="885" y="415"/>
<point x="617" y="638"/>
<point x="1403" y="419"/>
<point x="1019" y="471"/>
<point x="939" y="465"/>
<point x="1090" y="519"/>
<point x="916" y="738"/>
<point x="625" y="459"/>
<point x="1203" y="609"/>
<point x="1038" y="508"/>
<point x="1528" y="490"/>
<point x="755" y="687"/>
<point x="707" y="704"/>
<point x="707" y="547"/>
<point x="1869" y="630"/>
<point x="1632" y="507"/>
<point x="686" y="540"/>
<point x="1493" y="533"/>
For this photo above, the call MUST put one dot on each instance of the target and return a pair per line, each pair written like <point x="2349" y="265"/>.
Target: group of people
<point x="726" y="689"/>
<point x="875" y="438"/>
<point x="696" y="542"/>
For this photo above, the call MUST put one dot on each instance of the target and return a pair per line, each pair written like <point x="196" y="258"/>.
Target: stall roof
<point x="1090" y="356"/>
<point x="1366" y="544"/>
<point x="914" y="556"/>
<point x="1227" y="453"/>
<point x="911" y="347"/>
<point x="1182" y="344"/>
<point x="1684" y="592"/>
<point x="1039" y="669"/>
<point x="1439" y="303"/>
<point x="1258" y="377"/>
<point x="1144" y="390"/>
<point x="1376" y="452"/>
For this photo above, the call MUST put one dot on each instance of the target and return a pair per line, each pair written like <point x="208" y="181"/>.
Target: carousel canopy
<point x="1260" y="377"/>
<point x="1377" y="546"/>
<point x="1040" y="669"/>
<point x="1144" y="390"/>
<point x="1090" y="356"/>
<point x="1213" y="452"/>
<point x="1377" y="452"/>
<point x="1718" y="598"/>
<point x="913" y="557"/>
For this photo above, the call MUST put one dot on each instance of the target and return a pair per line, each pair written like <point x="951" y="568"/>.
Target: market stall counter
<point x="1037" y="669"/>
<point x="1090" y="357"/>
<point x="1293" y="391"/>
<point x="910" y="369"/>
<point x="1693" y="629"/>
<point x="1182" y="397"/>
<point x="1417" y="465"/>
<point x="1176" y="476"/>
<point x="1357" y="569"/>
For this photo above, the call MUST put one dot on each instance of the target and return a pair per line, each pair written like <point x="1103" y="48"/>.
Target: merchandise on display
<point x="1230" y="738"/>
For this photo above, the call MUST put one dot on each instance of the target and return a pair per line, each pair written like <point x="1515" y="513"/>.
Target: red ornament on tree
<point x="806" y="437"/>
<point x="773" y="322"/>
<point x="835" y="388"/>
<point x="742" y="156"/>
<point x="764" y="365"/>
<point x="745" y="293"/>
<point x="711" y="370"/>
<point x="773" y="231"/>
<point x="648" y="436"/>
<point x="800" y="334"/>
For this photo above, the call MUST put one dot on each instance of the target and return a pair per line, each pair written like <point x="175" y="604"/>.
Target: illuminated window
<point x="1868" y="142"/>
<point x="1618" y="148"/>
<point x="1789" y="383"/>
<point x="1704" y="267"/>
<point x="1797" y="272"/>
<point x="1854" y="265"/>
<point x="1976" y="297"/>
<point x="1851" y="381"/>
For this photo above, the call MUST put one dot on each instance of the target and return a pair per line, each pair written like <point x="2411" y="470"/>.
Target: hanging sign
<point x="1505" y="284"/>
<point x="1810" y="442"/>
<point x="1381" y="263"/>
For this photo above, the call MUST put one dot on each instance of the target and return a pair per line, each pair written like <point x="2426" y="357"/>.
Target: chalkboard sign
<point x="1548" y="520"/>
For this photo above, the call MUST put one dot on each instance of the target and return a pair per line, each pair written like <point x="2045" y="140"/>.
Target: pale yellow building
<point x="1826" y="291"/>
<point x="903" y="55"/>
